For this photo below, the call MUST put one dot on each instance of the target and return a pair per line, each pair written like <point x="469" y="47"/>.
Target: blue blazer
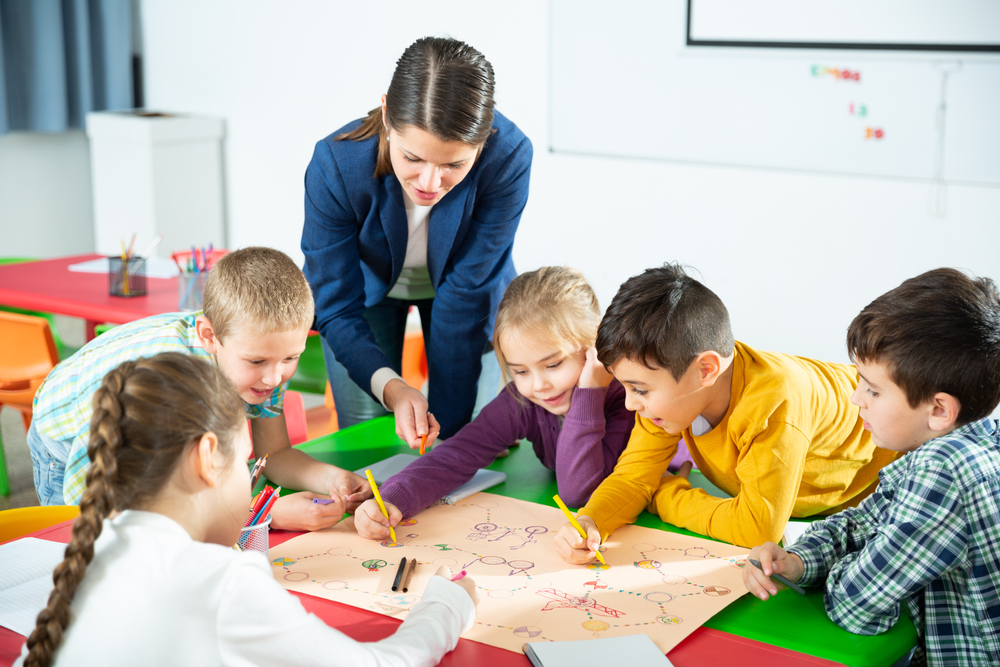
<point x="355" y="237"/>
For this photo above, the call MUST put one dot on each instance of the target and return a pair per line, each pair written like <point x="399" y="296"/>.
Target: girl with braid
<point x="150" y="576"/>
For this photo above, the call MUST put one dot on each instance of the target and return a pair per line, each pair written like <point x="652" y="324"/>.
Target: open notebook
<point x="26" y="580"/>
<point x="635" y="649"/>
<point x="482" y="480"/>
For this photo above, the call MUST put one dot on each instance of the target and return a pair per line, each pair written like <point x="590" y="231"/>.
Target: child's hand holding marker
<point x="371" y="524"/>
<point x="462" y="580"/>
<point x="774" y="561"/>
<point x="578" y="544"/>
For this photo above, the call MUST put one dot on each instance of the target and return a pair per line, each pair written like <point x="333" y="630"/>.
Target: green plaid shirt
<point x="928" y="537"/>
<point x="62" y="406"/>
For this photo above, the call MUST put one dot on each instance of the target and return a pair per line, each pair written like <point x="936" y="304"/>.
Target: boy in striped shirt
<point x="258" y="309"/>
<point x="928" y="356"/>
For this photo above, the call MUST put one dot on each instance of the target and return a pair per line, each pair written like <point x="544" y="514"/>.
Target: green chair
<point x="310" y="376"/>
<point x="64" y="350"/>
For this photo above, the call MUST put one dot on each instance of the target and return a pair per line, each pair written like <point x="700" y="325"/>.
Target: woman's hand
<point x="574" y="549"/>
<point x="773" y="560"/>
<point x="371" y="524"/>
<point x="412" y="418"/>
<point x="594" y="373"/>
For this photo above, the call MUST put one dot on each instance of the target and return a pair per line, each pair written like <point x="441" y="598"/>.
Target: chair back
<point x="24" y="520"/>
<point x="27" y="354"/>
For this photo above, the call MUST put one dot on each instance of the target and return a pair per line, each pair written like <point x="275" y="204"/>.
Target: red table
<point x="705" y="647"/>
<point x="48" y="285"/>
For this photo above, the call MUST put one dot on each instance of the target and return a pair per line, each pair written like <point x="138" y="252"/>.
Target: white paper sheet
<point x="26" y="580"/>
<point x="156" y="267"/>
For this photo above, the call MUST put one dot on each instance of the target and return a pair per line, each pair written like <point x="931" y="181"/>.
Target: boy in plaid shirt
<point x="928" y="355"/>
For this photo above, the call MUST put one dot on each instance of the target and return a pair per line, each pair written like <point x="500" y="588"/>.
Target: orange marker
<point x="423" y="443"/>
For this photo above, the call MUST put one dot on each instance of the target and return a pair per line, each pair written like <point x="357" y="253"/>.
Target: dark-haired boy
<point x="781" y="436"/>
<point x="928" y="353"/>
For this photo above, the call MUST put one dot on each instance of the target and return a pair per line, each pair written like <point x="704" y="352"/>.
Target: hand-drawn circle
<point x="492" y="560"/>
<point x="658" y="596"/>
<point x="500" y="595"/>
<point x="296" y="576"/>
<point x="669" y="620"/>
<point x="283" y="562"/>
<point x="390" y="545"/>
<point x="407" y="522"/>
<point x="595" y="584"/>
<point x="596" y="566"/>
<point x="536" y="530"/>
<point x="738" y="564"/>
<point x="521" y="564"/>
<point x="535" y="582"/>
<point x="715" y="591"/>
<point x="374" y="563"/>
<point x="334" y="585"/>
<point x="674" y="579"/>
<point x="578" y="602"/>
<point x="644" y="547"/>
<point x="485" y="527"/>
<point x="648" y="564"/>
<point x="486" y="505"/>
<point x="339" y="551"/>
<point x="446" y="547"/>
<point x="444" y="562"/>
<point x="696" y="552"/>
<point x="527" y="631"/>
<point x="594" y="625"/>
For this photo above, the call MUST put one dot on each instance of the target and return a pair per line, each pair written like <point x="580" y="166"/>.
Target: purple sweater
<point x="582" y="453"/>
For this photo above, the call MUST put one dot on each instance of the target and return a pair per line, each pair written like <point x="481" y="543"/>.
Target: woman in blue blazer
<point x="416" y="204"/>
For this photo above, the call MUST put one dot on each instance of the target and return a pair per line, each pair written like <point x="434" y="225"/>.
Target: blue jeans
<point x="387" y="320"/>
<point x="48" y="463"/>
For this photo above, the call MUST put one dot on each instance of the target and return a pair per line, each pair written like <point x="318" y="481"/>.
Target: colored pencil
<point x="267" y="508"/>
<point x="576" y="524"/>
<point x="381" y="505"/>
<point x="423" y="443"/>
<point x="322" y="501"/>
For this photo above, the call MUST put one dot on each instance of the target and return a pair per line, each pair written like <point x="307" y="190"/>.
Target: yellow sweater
<point x="790" y="444"/>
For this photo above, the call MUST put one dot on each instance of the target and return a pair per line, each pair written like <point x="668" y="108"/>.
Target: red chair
<point x="27" y="354"/>
<point x="295" y="417"/>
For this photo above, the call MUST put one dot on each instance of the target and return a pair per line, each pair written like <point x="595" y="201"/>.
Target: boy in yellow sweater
<point x="776" y="432"/>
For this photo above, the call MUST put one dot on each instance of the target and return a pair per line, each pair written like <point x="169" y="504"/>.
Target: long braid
<point x="96" y="504"/>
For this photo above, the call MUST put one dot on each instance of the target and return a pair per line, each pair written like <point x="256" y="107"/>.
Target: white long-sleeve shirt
<point x="153" y="596"/>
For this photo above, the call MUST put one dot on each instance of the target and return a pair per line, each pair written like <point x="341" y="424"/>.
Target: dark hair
<point x="147" y="412"/>
<point x="442" y="86"/>
<point x="663" y="318"/>
<point x="937" y="332"/>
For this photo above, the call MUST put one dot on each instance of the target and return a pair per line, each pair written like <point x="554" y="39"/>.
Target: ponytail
<point x="146" y="413"/>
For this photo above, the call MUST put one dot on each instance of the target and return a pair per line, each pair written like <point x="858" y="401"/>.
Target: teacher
<point x="417" y="205"/>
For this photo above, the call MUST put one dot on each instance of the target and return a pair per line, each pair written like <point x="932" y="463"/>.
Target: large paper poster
<point x="656" y="583"/>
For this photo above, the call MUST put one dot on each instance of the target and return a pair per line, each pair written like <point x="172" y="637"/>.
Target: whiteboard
<point x="624" y="83"/>
<point x="956" y="25"/>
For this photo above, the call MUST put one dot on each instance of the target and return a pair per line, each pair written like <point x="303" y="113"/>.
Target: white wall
<point x="794" y="256"/>
<point x="45" y="204"/>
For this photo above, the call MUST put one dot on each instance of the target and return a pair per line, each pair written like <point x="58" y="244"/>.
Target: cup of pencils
<point x="126" y="276"/>
<point x="194" y="267"/>
<point x="254" y="538"/>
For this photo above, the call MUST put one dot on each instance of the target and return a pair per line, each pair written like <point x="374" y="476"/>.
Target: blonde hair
<point x="257" y="291"/>
<point x="147" y="412"/>
<point x="553" y="304"/>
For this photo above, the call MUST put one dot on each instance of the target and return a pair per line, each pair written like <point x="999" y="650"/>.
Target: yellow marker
<point x="378" y="499"/>
<point x="576" y="524"/>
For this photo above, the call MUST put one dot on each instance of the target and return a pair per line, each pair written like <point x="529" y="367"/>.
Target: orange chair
<point x="27" y="354"/>
<point x="414" y="370"/>
<point x="295" y="417"/>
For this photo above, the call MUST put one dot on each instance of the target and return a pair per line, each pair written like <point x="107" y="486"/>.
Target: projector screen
<point x="922" y="25"/>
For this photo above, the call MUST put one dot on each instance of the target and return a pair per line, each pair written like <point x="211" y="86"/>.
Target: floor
<point x="15" y="447"/>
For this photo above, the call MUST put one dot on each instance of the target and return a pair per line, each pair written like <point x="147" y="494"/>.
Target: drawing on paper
<point x="656" y="583"/>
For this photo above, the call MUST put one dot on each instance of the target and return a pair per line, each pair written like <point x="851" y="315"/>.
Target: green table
<point x="791" y="621"/>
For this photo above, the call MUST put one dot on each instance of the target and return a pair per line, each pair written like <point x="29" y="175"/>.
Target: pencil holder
<point x="191" y="290"/>
<point x="127" y="278"/>
<point x="254" y="538"/>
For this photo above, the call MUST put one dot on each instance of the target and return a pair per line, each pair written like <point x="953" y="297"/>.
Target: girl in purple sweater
<point x="561" y="399"/>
